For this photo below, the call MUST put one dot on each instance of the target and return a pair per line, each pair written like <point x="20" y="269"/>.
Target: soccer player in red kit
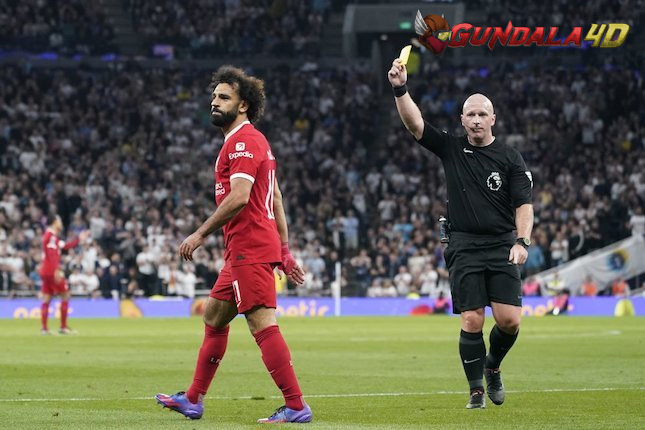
<point x="53" y="278"/>
<point x="251" y="215"/>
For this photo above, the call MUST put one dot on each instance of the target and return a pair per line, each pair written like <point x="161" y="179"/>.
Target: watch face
<point x="526" y="241"/>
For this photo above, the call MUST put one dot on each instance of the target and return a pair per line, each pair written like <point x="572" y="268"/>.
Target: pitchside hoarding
<point x="306" y="307"/>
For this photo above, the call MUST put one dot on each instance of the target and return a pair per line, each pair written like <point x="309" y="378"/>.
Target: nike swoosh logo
<point x="468" y="151"/>
<point x="471" y="361"/>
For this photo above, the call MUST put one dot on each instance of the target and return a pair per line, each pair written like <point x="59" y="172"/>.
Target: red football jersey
<point x="252" y="235"/>
<point x="52" y="246"/>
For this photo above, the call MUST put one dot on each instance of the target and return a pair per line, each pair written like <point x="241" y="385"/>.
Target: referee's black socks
<point x="473" y="355"/>
<point x="500" y="343"/>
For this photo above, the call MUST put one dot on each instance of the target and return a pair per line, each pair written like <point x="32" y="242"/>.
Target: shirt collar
<point x="236" y="129"/>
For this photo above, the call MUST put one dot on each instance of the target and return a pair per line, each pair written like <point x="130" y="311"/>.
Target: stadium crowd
<point x="564" y="14"/>
<point x="63" y="26"/>
<point x="243" y="28"/>
<point x="129" y="155"/>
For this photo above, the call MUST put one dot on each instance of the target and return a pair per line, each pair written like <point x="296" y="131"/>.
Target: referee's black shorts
<point x="480" y="272"/>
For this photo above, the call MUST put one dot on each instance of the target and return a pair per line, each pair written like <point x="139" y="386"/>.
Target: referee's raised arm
<point x="408" y="110"/>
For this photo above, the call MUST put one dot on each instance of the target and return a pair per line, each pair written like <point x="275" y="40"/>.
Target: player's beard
<point x="222" y="118"/>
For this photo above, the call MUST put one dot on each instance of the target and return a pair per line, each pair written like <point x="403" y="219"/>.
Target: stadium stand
<point x="61" y="26"/>
<point x="241" y="28"/>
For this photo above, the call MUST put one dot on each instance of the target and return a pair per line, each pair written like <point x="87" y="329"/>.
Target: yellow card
<point x="405" y="54"/>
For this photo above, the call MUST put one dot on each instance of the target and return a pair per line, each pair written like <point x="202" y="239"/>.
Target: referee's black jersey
<point x="485" y="184"/>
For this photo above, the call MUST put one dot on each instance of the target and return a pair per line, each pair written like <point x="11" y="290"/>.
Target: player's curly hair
<point x="249" y="88"/>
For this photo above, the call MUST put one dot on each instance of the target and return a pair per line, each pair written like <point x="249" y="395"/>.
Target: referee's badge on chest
<point x="494" y="181"/>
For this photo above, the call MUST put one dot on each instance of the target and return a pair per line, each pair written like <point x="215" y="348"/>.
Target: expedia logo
<point x="234" y="155"/>
<point x="219" y="189"/>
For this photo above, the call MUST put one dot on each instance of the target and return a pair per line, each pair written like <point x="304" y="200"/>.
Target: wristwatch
<point x="524" y="241"/>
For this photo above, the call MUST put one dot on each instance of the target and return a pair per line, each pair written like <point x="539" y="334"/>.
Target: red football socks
<point x="64" y="306"/>
<point x="44" y="313"/>
<point x="210" y="355"/>
<point x="277" y="359"/>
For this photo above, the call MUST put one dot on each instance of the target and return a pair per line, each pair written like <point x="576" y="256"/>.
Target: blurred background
<point x="104" y="118"/>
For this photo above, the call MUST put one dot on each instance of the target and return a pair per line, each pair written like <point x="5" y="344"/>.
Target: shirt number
<point x="236" y="291"/>
<point x="268" y="201"/>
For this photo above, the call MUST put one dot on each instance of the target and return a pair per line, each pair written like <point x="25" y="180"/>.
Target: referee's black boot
<point x="494" y="386"/>
<point x="477" y="399"/>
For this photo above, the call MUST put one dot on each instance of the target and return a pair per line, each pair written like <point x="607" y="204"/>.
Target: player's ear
<point x="244" y="106"/>
<point x="462" y="119"/>
<point x="494" y="117"/>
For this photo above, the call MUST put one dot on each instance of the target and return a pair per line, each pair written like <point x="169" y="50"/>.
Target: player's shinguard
<point x="190" y="403"/>
<point x="277" y="359"/>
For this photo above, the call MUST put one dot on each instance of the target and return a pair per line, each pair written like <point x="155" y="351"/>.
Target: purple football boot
<point x="180" y="403"/>
<point x="285" y="415"/>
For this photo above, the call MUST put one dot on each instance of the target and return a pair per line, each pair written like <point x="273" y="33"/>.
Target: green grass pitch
<point x="358" y="373"/>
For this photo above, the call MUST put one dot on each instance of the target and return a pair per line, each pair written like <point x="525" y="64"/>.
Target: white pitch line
<point x="452" y="338"/>
<point x="339" y="395"/>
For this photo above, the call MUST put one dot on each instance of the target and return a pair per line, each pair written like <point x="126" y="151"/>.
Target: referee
<point x="489" y="196"/>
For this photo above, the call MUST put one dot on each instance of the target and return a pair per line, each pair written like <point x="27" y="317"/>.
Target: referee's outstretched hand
<point x="398" y="75"/>
<point x="518" y="254"/>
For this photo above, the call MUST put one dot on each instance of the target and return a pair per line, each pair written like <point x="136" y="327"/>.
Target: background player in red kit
<point x="250" y="212"/>
<point x="53" y="278"/>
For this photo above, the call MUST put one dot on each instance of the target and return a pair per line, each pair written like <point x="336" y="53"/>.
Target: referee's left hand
<point x="518" y="254"/>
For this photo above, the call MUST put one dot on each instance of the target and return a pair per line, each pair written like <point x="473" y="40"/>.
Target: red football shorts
<point x="52" y="285"/>
<point x="248" y="286"/>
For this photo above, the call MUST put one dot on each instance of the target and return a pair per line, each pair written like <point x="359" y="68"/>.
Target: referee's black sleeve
<point x="434" y="140"/>
<point x="521" y="181"/>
